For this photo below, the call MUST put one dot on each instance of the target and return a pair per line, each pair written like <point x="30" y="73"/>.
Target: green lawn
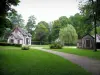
<point x="81" y="52"/>
<point x="14" y="61"/>
<point x="45" y="46"/>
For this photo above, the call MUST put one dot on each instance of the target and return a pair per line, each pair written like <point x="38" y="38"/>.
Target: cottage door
<point x="27" y="41"/>
<point x="88" y="43"/>
<point x="11" y="41"/>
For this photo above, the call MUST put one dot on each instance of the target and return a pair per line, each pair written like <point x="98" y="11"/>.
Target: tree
<point x="81" y="24"/>
<point x="5" y="6"/>
<point x="88" y="7"/>
<point x="64" y="21"/>
<point x="31" y="23"/>
<point x="94" y="13"/>
<point x="41" y="33"/>
<point x="50" y="32"/>
<point x="16" y="19"/>
<point x="68" y="35"/>
<point x="55" y="30"/>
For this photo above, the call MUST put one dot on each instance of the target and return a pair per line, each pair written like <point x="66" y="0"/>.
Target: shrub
<point x="8" y="44"/>
<point x="25" y="47"/>
<point x="56" y="46"/>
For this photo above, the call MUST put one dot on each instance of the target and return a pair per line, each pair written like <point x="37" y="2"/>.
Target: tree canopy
<point x="41" y="32"/>
<point x="31" y="23"/>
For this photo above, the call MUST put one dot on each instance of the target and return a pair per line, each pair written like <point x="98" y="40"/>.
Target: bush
<point x="56" y="46"/>
<point x="8" y="44"/>
<point x="25" y="47"/>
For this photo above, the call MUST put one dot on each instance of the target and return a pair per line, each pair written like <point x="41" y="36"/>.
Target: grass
<point x="44" y="46"/>
<point x="81" y="52"/>
<point x="14" y="61"/>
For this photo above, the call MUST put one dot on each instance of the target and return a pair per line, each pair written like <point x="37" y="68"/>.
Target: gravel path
<point x="91" y="65"/>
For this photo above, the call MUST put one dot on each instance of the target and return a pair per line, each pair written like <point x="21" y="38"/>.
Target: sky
<point x="47" y="10"/>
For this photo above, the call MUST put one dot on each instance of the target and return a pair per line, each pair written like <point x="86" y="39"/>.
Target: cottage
<point x="88" y="42"/>
<point x="19" y="36"/>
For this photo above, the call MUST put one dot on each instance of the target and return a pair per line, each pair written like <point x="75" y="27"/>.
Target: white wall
<point x="12" y="37"/>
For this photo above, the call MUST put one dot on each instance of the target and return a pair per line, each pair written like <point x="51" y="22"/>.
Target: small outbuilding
<point x="87" y="42"/>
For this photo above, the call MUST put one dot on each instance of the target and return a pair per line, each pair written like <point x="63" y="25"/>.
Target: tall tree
<point x="92" y="7"/>
<point x="81" y="24"/>
<point x="41" y="33"/>
<point x="55" y="29"/>
<point x="31" y="23"/>
<point x="5" y="6"/>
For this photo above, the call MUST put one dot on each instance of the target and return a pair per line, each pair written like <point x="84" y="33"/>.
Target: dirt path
<point x="91" y="65"/>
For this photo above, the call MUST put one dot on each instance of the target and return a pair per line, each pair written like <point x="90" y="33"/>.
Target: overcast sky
<point x="47" y="10"/>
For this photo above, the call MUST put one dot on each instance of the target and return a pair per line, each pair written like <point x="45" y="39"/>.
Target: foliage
<point x="41" y="32"/>
<point x="8" y="44"/>
<point x="98" y="31"/>
<point x="56" y="45"/>
<point x="63" y="21"/>
<point x="25" y="47"/>
<point x="31" y="23"/>
<point x="68" y="35"/>
<point x="44" y="23"/>
<point x="16" y="19"/>
<point x="5" y="23"/>
<point x="50" y="32"/>
<point x="81" y="24"/>
<point x="55" y="30"/>
<point x="88" y="7"/>
<point x="5" y="6"/>
<point x="91" y="10"/>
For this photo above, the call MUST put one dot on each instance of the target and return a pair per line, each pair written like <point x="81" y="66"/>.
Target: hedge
<point x="8" y="44"/>
<point x="39" y="42"/>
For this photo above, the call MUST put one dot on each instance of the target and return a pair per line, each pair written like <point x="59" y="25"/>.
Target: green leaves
<point x="41" y="32"/>
<point x="5" y="6"/>
<point x="68" y="35"/>
<point x="16" y="19"/>
<point x="31" y="23"/>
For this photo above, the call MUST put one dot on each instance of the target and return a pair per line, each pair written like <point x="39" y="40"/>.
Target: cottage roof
<point x="16" y="36"/>
<point x="23" y="31"/>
